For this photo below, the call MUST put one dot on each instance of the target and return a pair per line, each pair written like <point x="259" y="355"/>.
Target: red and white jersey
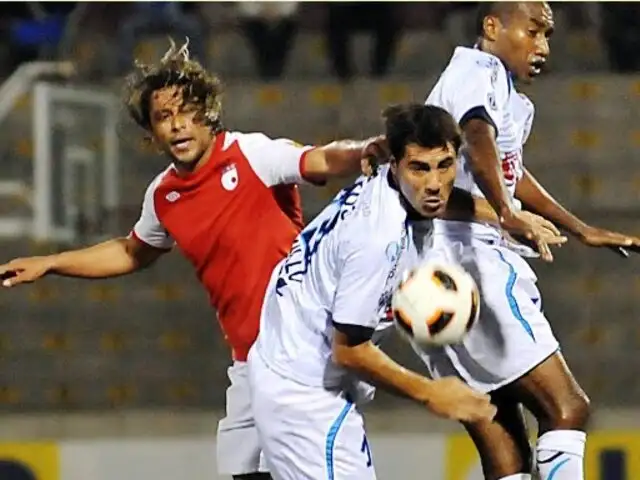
<point x="235" y="218"/>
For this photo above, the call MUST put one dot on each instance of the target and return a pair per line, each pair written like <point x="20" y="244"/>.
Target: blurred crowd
<point x="33" y="30"/>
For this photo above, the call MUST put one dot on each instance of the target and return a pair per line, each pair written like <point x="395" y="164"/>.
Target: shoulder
<point x="378" y="217"/>
<point x="156" y="183"/>
<point x="251" y="142"/>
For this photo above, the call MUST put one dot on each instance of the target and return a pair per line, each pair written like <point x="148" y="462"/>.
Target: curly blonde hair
<point x="175" y="69"/>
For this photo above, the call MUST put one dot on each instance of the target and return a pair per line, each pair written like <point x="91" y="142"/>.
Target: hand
<point x="375" y="153"/>
<point x="24" y="270"/>
<point x="533" y="228"/>
<point x="452" y="399"/>
<point x="597" y="237"/>
<point x="547" y="230"/>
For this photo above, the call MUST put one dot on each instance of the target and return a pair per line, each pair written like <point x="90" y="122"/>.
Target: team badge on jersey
<point x="230" y="177"/>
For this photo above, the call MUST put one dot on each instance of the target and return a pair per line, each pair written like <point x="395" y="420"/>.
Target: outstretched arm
<point x="112" y="258"/>
<point x="533" y="195"/>
<point x="465" y="207"/>
<point x="343" y="158"/>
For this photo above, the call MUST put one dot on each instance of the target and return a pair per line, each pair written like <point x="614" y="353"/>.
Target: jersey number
<point x="365" y="449"/>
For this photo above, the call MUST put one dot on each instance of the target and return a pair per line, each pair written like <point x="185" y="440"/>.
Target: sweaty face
<point x="522" y="41"/>
<point x="425" y="178"/>
<point x="178" y="128"/>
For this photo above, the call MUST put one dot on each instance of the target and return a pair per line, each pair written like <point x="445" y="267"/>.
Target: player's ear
<point x="490" y="27"/>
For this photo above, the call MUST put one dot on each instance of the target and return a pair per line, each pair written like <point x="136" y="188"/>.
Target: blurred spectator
<point x="460" y="23"/>
<point x="621" y="35"/>
<point x="347" y="17"/>
<point x="270" y="28"/>
<point x="33" y="30"/>
<point x="160" y="17"/>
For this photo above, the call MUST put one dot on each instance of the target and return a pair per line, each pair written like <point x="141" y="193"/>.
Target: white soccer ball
<point x="436" y="304"/>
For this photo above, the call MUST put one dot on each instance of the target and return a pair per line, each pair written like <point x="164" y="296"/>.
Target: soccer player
<point x="511" y="352"/>
<point x="325" y="301"/>
<point x="229" y="203"/>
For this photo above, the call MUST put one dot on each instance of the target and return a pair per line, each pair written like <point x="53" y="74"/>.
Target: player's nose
<point x="433" y="184"/>
<point x="542" y="47"/>
<point x="177" y="123"/>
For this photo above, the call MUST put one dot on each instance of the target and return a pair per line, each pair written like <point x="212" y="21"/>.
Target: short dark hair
<point x="492" y="9"/>
<point x="425" y="125"/>
<point x="175" y="69"/>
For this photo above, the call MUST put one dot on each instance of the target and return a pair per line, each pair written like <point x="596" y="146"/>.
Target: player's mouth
<point x="536" y="66"/>
<point x="181" y="144"/>
<point x="432" y="204"/>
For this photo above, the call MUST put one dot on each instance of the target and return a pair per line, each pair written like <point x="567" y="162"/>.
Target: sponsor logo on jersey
<point x="172" y="196"/>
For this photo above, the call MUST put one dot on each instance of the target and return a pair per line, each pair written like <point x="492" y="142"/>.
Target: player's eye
<point x="446" y="164"/>
<point x="420" y="168"/>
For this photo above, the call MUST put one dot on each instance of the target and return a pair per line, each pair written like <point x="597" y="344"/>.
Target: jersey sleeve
<point x="480" y="92"/>
<point x="275" y="161"/>
<point x="148" y="228"/>
<point x="363" y="275"/>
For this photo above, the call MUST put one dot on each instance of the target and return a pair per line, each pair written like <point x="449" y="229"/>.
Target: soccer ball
<point x="436" y="304"/>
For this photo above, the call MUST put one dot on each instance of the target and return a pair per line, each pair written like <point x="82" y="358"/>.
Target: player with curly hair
<point x="230" y="203"/>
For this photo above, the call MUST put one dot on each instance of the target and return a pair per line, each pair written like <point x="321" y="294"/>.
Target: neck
<point x="485" y="47"/>
<point x="185" y="169"/>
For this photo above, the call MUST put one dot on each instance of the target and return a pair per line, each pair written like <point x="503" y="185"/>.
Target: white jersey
<point x="342" y="268"/>
<point x="476" y="83"/>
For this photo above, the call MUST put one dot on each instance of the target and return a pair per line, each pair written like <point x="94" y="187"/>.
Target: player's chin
<point x="530" y="75"/>
<point x="185" y="158"/>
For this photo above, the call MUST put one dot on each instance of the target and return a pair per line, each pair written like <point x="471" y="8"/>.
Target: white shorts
<point x="307" y="433"/>
<point x="238" y="450"/>
<point x="512" y="335"/>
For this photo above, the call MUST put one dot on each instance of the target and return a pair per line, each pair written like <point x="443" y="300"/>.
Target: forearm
<point x="371" y="363"/>
<point x="465" y="207"/>
<point x="535" y="198"/>
<point x="108" y="259"/>
<point x="485" y="162"/>
<point x="343" y="157"/>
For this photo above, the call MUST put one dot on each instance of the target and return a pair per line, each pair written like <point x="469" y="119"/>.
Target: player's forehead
<point x="167" y="98"/>
<point x="416" y="153"/>
<point x="536" y="13"/>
